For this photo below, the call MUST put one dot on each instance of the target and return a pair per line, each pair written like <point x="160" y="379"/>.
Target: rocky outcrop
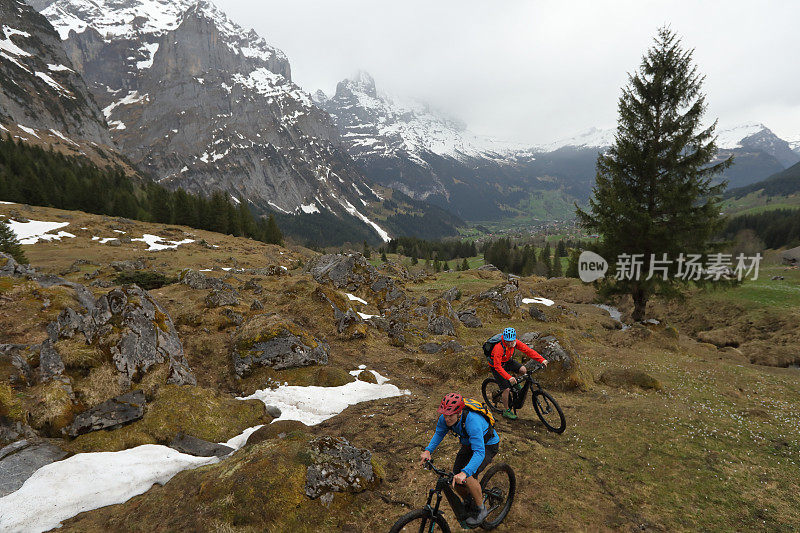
<point x="270" y="340"/>
<point x="352" y="272"/>
<point x="337" y="467"/>
<point x="503" y="300"/>
<point x="469" y="318"/>
<point x="564" y="370"/>
<point x="110" y="414"/>
<point x="442" y="320"/>
<point x="220" y="298"/>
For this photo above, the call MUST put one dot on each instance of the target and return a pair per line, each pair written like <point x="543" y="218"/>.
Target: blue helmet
<point x="509" y="334"/>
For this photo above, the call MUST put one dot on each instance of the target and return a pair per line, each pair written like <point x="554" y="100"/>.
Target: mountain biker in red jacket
<point x="501" y="362"/>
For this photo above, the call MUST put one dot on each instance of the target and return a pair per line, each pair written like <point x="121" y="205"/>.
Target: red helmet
<point x="452" y="404"/>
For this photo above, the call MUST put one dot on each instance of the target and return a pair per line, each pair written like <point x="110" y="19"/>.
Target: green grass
<point x="755" y="203"/>
<point x="765" y="291"/>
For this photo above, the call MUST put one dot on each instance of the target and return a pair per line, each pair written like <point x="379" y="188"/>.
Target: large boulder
<point x="442" y="319"/>
<point x="277" y="430"/>
<point x="564" y="370"/>
<point x="337" y="467"/>
<point x="110" y="414"/>
<point x="270" y="340"/>
<point x="198" y="280"/>
<point x="220" y="298"/>
<point x="629" y="377"/>
<point x="138" y="333"/>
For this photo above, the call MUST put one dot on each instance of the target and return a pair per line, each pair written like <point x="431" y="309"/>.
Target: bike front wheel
<point x="492" y="395"/>
<point x="420" y="521"/>
<point x="549" y="411"/>
<point x="499" y="484"/>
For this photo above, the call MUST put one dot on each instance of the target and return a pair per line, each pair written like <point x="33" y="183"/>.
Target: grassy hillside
<point x="714" y="446"/>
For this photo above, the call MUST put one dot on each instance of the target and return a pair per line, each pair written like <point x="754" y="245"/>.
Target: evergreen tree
<point x="437" y="266"/>
<point x="9" y="243"/>
<point x="558" y="270"/>
<point x="383" y="256"/>
<point x="546" y="261"/>
<point x="273" y="233"/>
<point x="653" y="192"/>
<point x="445" y="267"/>
<point x="572" y="266"/>
<point x="365" y="251"/>
<point x="465" y="265"/>
<point x="561" y="249"/>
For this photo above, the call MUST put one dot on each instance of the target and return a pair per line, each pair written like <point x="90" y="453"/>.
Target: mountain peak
<point x="361" y="82"/>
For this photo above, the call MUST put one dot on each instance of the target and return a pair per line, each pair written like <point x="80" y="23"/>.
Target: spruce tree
<point x="557" y="270"/>
<point x="465" y="264"/>
<point x="9" y="243"/>
<point x="572" y="266"/>
<point x="383" y="256"/>
<point x="273" y="232"/>
<point x="653" y="191"/>
<point x="546" y="261"/>
<point x="365" y="251"/>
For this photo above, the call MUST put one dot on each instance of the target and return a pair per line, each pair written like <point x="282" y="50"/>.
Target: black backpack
<point x="489" y="345"/>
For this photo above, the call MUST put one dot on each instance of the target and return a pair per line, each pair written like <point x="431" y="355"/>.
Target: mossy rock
<point x="671" y="332"/>
<point x="564" y="370"/>
<point x="333" y="297"/>
<point x="198" y="411"/>
<point x="366" y="375"/>
<point x="331" y="376"/>
<point x="627" y="377"/>
<point x="279" y="430"/>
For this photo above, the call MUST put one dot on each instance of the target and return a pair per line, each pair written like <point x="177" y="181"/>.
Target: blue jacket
<point x="476" y="427"/>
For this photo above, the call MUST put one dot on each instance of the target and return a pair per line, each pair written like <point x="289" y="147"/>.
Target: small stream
<point x="614" y="313"/>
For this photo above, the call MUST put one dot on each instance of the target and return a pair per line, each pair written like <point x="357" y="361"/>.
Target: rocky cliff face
<point x="42" y="98"/>
<point x="200" y="103"/>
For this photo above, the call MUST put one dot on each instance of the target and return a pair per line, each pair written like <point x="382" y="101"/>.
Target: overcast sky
<point x="534" y="71"/>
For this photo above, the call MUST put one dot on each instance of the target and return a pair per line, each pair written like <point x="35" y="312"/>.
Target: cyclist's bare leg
<point x="523" y="370"/>
<point x="505" y="395"/>
<point x="475" y="490"/>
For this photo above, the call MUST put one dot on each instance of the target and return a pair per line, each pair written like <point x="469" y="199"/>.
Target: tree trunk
<point x="640" y="298"/>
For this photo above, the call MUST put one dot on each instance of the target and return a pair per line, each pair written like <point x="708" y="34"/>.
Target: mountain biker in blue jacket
<point x="479" y="444"/>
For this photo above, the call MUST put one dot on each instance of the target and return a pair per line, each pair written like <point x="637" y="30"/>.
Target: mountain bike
<point x="546" y="406"/>
<point x="498" y="484"/>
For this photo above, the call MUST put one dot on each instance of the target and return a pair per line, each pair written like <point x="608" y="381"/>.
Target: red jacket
<point x="501" y="354"/>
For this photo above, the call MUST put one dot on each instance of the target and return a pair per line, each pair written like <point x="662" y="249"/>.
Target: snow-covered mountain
<point x="794" y="143"/>
<point x="408" y="146"/>
<point x="42" y="99"/>
<point x="591" y="139"/>
<point x="200" y="103"/>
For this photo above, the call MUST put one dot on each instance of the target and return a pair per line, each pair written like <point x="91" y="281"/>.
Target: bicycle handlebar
<point x="444" y="473"/>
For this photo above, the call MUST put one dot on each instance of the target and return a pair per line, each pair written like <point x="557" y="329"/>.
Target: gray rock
<point x="452" y="346"/>
<point x="109" y="414"/>
<point x="50" y="363"/>
<point x="252" y="285"/>
<point x="197" y="280"/>
<point x="537" y="314"/>
<point x="490" y="267"/>
<point x="14" y="357"/>
<point x="199" y="447"/>
<point x="256" y="305"/>
<point x="441" y="325"/>
<point x="271" y="270"/>
<point x="273" y="411"/>
<point x="346" y="320"/>
<point x="219" y="298"/>
<point x="423" y="301"/>
<point x="505" y="298"/>
<point x="337" y="467"/>
<point x="430" y="347"/>
<point x="19" y="460"/>
<point x="452" y="294"/>
<point x="234" y="317"/>
<point x="280" y="350"/>
<point x="549" y="348"/>
<point x="352" y="272"/>
<point x="470" y="319"/>
<point x="122" y="266"/>
<point x="114" y="242"/>
<point x="529" y="337"/>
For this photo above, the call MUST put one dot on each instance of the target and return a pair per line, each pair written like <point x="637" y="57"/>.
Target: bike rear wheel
<point x="499" y="484"/>
<point x="549" y="411"/>
<point x="492" y="395"/>
<point x="420" y="521"/>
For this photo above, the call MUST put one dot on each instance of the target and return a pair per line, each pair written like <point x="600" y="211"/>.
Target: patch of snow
<point x="380" y="379"/>
<point x="279" y="208"/>
<point x="8" y="203"/>
<point x="59" y="68"/>
<point x="538" y="300"/>
<point x="591" y="138"/>
<point x="54" y="84"/>
<point x="235" y="199"/>
<point x="88" y="481"/>
<point x="149" y="49"/>
<point x="62" y="137"/>
<point x="353" y="211"/>
<point x="119" y="231"/>
<point x="310" y="208"/>
<point x="131" y="98"/>
<point x="365" y="316"/>
<point x="312" y="405"/>
<point x="355" y="298"/>
<point x="7" y="45"/>
<point x="29" y="131"/>
<point x="35" y="230"/>
<point x="156" y="243"/>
